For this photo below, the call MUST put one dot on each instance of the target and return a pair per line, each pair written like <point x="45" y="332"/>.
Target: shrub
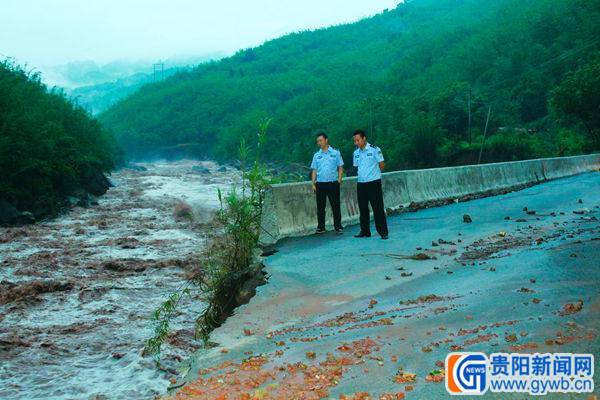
<point x="227" y="262"/>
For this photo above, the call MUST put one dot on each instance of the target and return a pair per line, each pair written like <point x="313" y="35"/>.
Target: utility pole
<point x="158" y="67"/>
<point x="484" y="133"/>
<point x="469" y="111"/>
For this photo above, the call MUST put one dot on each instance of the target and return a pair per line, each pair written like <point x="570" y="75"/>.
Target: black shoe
<point x="339" y="230"/>
<point x="319" y="231"/>
<point x="362" y="234"/>
<point x="384" y="237"/>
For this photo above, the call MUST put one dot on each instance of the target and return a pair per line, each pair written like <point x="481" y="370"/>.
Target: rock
<point x="467" y="219"/>
<point x="97" y="184"/>
<point x="222" y="169"/>
<point x="580" y="201"/>
<point x="531" y="212"/>
<point x="526" y="290"/>
<point x="421" y="257"/>
<point x="8" y="213"/>
<point x="25" y="218"/>
<point x="200" y="170"/>
<point x="521" y="220"/>
<point x="442" y="241"/>
<point x="80" y="198"/>
<point x="507" y="218"/>
<point x="72" y="200"/>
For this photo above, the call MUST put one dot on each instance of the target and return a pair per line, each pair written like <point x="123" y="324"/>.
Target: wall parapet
<point x="290" y="208"/>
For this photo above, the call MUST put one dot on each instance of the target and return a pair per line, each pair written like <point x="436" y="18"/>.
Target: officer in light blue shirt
<point x="369" y="161"/>
<point x="327" y="172"/>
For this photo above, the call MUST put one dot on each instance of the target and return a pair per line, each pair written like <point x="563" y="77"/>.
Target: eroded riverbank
<point x="76" y="292"/>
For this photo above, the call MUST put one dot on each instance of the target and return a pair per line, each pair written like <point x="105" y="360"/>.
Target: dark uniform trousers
<point x="370" y="192"/>
<point x="331" y="191"/>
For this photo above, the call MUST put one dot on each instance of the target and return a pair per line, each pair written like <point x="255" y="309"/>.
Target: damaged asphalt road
<point x="351" y="318"/>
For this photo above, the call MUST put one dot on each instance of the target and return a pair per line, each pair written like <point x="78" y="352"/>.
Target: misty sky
<point x="49" y="32"/>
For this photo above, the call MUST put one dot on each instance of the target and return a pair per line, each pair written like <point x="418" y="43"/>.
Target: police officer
<point x="326" y="176"/>
<point x="369" y="161"/>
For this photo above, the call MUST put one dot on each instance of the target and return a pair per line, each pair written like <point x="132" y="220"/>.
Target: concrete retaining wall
<point x="290" y="209"/>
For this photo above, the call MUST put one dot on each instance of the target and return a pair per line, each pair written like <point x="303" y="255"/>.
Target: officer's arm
<point x="340" y="164"/>
<point x="380" y="159"/>
<point x="313" y="177"/>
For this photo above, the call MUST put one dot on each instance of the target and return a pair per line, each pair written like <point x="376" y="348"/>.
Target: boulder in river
<point x="8" y="213"/>
<point x="467" y="219"/>
<point x="97" y="184"/>
<point x="25" y="218"/>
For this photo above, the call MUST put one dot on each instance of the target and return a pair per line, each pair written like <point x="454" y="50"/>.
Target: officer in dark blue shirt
<point x="327" y="172"/>
<point x="369" y="161"/>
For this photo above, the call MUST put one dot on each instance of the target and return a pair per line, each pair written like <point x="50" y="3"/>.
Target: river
<point x="77" y="291"/>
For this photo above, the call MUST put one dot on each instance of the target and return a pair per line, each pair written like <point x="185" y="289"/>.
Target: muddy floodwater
<point x="77" y="291"/>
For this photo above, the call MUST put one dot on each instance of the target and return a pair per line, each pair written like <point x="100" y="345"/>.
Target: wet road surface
<point x="340" y="315"/>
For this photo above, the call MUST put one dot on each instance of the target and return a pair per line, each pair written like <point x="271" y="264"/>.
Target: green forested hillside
<point x="49" y="148"/>
<point x="405" y="75"/>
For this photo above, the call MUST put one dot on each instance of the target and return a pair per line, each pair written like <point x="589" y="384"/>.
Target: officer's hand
<point x="314" y="186"/>
<point x="340" y="181"/>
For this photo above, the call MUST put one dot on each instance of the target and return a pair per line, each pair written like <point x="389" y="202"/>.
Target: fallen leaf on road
<point x="572" y="308"/>
<point x="405" y="377"/>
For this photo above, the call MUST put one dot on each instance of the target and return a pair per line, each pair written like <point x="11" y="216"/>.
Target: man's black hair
<point x="320" y="133"/>
<point x="361" y="133"/>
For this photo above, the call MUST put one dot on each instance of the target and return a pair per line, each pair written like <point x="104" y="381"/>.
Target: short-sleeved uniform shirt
<point x="367" y="160"/>
<point x="326" y="164"/>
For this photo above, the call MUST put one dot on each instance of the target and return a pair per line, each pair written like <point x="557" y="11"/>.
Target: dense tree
<point x="49" y="148"/>
<point x="578" y="96"/>
<point x="411" y="71"/>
